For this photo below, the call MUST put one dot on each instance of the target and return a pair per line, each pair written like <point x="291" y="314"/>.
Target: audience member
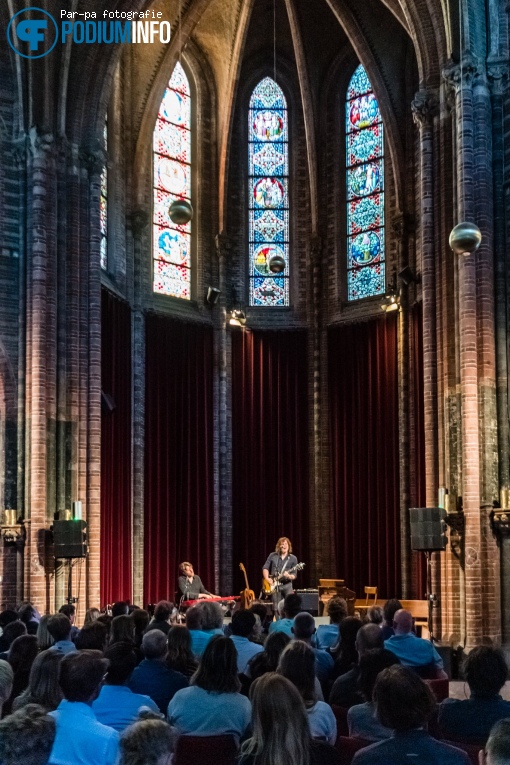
<point x="162" y="614"/>
<point x="11" y="632"/>
<point x="141" y="621"/>
<point x="29" y="615"/>
<point x="497" y="748"/>
<point x="297" y="664"/>
<point x="120" y="608"/>
<point x="80" y="737"/>
<point x="280" y="730"/>
<point x="122" y="630"/>
<point x="152" y="677"/>
<point x="44" y="639"/>
<point x="147" y="742"/>
<point x="27" y="736"/>
<point x="471" y="720"/>
<point x="94" y="636"/>
<point x="212" y="705"/>
<point x="362" y="718"/>
<point x="267" y="661"/>
<point x="265" y="614"/>
<point x="6" y="681"/>
<point x="43" y="683"/>
<point x="179" y="654"/>
<point x="389" y="610"/>
<point x="345" y="653"/>
<point x="404" y="703"/>
<point x="21" y="657"/>
<point x="91" y="614"/>
<point x="69" y="610"/>
<point x="59" y="628"/>
<point x="413" y="651"/>
<point x="328" y="634"/>
<point x="242" y="626"/>
<point x="291" y="608"/>
<point x="304" y="629"/>
<point x="211" y="617"/>
<point x="117" y="705"/>
<point x="6" y="617"/>
<point x="345" y="692"/>
<point x="199" y="638"/>
<point x="375" y="615"/>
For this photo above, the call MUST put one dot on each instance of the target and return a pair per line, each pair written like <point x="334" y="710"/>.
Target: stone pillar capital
<point x="139" y="220"/>
<point x="497" y="75"/>
<point x="424" y="108"/>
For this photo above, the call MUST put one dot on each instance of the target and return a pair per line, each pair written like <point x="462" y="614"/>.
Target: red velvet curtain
<point x="363" y="411"/>
<point x="179" y="508"/>
<point x="418" y="493"/>
<point x="115" y="449"/>
<point x="269" y="449"/>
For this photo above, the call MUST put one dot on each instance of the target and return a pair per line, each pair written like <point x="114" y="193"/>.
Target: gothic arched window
<point x="268" y="191"/>
<point x="172" y="180"/>
<point x="365" y="190"/>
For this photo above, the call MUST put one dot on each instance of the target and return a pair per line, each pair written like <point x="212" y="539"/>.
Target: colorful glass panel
<point x="268" y="194"/>
<point x="365" y="190"/>
<point x="103" y="207"/>
<point x="172" y="180"/>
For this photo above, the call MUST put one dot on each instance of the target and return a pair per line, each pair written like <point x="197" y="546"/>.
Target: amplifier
<point x="309" y="601"/>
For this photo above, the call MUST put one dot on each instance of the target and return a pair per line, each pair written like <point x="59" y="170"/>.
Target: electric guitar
<point x="269" y="588"/>
<point x="247" y="595"/>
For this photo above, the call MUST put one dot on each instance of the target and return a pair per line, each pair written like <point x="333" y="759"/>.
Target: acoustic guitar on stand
<point x="247" y="595"/>
<point x="269" y="587"/>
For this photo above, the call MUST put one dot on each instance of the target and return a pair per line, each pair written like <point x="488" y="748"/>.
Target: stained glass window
<point x="172" y="180"/>
<point x="268" y="194"/>
<point x="365" y="190"/>
<point x="103" y="206"/>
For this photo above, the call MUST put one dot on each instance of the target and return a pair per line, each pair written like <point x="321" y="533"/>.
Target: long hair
<point x="297" y="664"/>
<point x="44" y="639"/>
<point x="283" y="539"/>
<point x="281" y="734"/>
<point x="43" y="685"/>
<point x="91" y="615"/>
<point x="145" y="742"/>
<point x="217" y="670"/>
<point x="122" y="630"/>
<point x="179" y="656"/>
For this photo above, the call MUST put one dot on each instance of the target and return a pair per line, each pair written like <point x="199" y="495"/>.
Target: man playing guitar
<point x="277" y="563"/>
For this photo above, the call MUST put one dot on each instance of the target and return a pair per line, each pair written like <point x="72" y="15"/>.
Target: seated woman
<point x="280" y="728"/>
<point x="180" y="656"/>
<point x="212" y="705"/>
<point x="147" y="742"/>
<point x="43" y="686"/>
<point x="404" y="703"/>
<point x="297" y="664"/>
<point x="327" y="635"/>
<point x="267" y="661"/>
<point x="471" y="720"/>
<point x="361" y="718"/>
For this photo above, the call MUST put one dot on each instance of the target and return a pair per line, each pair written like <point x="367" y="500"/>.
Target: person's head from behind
<point x="122" y="661"/>
<point x="43" y="684"/>
<point x="147" y="742"/>
<point x="122" y="629"/>
<point x="348" y="630"/>
<point x="6" y="679"/>
<point x="217" y="670"/>
<point x="27" y="613"/>
<point x="27" y="736"/>
<point x="44" y="639"/>
<point x="194" y="618"/>
<point x="297" y="664"/>
<point x="403" y="622"/>
<point x="260" y="610"/>
<point x="336" y="609"/>
<point x="243" y="623"/>
<point x="179" y="643"/>
<point x="68" y="610"/>
<point x="485" y="671"/>
<point x="211" y="615"/>
<point x="163" y="611"/>
<point x="140" y="619"/>
<point x="403" y="700"/>
<point x="371" y="664"/>
<point x="91" y="614"/>
<point x="368" y="637"/>
<point x="120" y="608"/>
<point x="303" y="627"/>
<point x="14" y="630"/>
<point x="7" y="616"/>
<point x="81" y="673"/>
<point x="94" y="637"/>
<point x="22" y="652"/>
<point x="375" y="615"/>
<point x="154" y="645"/>
<point x="59" y="627"/>
<point x="390" y="609"/>
<point x="274" y="646"/>
<point x="497" y="748"/>
<point x="292" y="605"/>
<point x="279" y="721"/>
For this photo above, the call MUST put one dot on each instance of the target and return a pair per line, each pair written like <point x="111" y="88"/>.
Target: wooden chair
<point x="347" y="748"/>
<point x="371" y="591"/>
<point x="206" y="750"/>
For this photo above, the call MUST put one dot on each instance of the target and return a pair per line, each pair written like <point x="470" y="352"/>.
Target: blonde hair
<point x="90" y="616"/>
<point x="279" y="722"/>
<point x="283" y="539"/>
<point x="183" y="565"/>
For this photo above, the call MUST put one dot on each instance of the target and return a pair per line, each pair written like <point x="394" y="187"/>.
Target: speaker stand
<point x="431" y="598"/>
<point x="70" y="599"/>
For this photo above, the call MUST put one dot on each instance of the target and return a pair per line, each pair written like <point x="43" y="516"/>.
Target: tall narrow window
<point x="268" y="165"/>
<point x="103" y="205"/>
<point x="172" y="180"/>
<point x="365" y="190"/>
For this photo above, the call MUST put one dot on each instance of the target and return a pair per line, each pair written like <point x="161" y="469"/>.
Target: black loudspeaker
<point x="309" y="601"/>
<point x="428" y="528"/>
<point x="70" y="539"/>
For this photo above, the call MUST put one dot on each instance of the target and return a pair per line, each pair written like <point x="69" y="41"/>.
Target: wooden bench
<point x="418" y="608"/>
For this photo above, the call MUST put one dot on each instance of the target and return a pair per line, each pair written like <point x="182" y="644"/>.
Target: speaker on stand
<point x="428" y="534"/>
